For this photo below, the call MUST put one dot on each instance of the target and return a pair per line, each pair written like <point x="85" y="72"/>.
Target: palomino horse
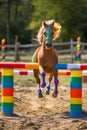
<point x="46" y="56"/>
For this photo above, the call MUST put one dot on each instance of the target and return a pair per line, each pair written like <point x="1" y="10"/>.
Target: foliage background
<point x="24" y="18"/>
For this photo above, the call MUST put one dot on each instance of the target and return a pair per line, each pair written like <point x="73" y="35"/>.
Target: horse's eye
<point x="45" y="33"/>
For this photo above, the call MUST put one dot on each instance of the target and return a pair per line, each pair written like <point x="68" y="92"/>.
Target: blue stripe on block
<point x="76" y="85"/>
<point x="8" y="111"/>
<point x="75" y="113"/>
<point x="7" y="84"/>
<point x="61" y="66"/>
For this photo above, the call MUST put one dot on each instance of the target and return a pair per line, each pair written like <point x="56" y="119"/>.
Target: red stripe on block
<point x="23" y="73"/>
<point x="7" y="91"/>
<point x="18" y="65"/>
<point x="12" y="65"/>
<point x="68" y="72"/>
<point x="84" y="67"/>
<point x="0" y="73"/>
<point x="76" y="93"/>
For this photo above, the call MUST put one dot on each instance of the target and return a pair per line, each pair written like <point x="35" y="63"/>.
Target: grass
<point x="29" y="81"/>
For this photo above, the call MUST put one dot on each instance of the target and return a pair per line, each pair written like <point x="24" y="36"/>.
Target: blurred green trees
<point x="24" y="18"/>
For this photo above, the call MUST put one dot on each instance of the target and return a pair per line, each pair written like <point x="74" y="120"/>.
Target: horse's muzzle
<point x="48" y="45"/>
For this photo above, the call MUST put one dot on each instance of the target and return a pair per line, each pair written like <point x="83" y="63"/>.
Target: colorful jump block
<point x="7" y="91"/>
<point x="76" y="93"/>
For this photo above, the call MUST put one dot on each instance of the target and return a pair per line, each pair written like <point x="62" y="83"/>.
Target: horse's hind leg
<point x="48" y="85"/>
<point x="36" y="75"/>
<point x="56" y="81"/>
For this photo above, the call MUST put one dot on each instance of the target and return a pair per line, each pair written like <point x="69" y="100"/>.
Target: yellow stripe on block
<point x="76" y="73"/>
<point x="7" y="72"/>
<point x="7" y="98"/>
<point x="76" y="100"/>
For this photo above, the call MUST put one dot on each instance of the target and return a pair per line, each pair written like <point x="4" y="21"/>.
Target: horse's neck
<point x="46" y="50"/>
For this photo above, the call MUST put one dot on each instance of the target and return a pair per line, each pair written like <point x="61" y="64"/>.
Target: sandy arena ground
<point x="47" y="113"/>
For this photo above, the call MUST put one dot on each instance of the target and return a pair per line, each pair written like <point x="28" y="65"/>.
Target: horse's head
<point x="48" y="32"/>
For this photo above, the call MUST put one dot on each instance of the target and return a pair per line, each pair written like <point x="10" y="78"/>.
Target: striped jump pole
<point x="60" y="72"/>
<point x="75" y="87"/>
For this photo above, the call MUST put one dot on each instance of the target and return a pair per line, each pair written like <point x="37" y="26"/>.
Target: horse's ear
<point x="53" y="23"/>
<point x="44" y="23"/>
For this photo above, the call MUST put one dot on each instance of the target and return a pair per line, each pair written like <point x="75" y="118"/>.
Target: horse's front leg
<point x="56" y="81"/>
<point x="43" y="84"/>
<point x="49" y="83"/>
<point x="36" y="75"/>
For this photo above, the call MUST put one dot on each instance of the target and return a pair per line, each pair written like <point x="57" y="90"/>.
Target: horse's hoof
<point x="40" y="96"/>
<point x="40" y="93"/>
<point x="55" y="94"/>
<point x="47" y="92"/>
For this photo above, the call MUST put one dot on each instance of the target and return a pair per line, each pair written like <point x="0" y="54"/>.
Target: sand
<point x="47" y="113"/>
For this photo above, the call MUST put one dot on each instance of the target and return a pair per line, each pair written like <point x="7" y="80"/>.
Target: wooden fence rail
<point x="28" y="49"/>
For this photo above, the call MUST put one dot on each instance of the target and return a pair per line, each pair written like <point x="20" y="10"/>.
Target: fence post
<point x="78" y="50"/>
<point x="17" y="49"/>
<point x="71" y="48"/>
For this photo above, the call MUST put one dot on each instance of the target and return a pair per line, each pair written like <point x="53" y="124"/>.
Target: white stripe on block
<point x="30" y="72"/>
<point x="16" y="72"/>
<point x="73" y="66"/>
<point x="84" y="72"/>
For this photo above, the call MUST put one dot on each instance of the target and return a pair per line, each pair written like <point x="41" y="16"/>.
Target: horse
<point x="46" y="56"/>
